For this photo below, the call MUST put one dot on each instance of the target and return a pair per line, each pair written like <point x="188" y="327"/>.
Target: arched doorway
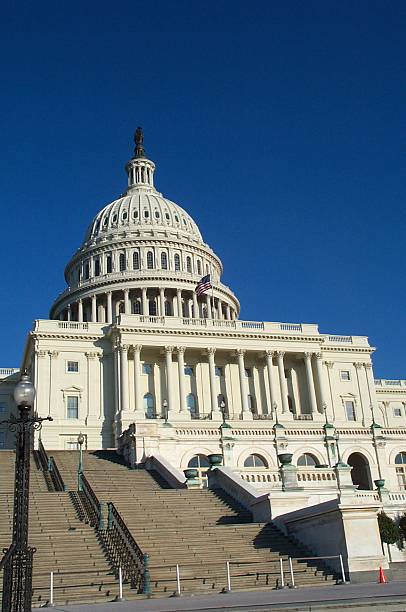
<point x="360" y="473"/>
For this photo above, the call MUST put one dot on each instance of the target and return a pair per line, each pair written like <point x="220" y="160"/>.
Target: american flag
<point x="203" y="285"/>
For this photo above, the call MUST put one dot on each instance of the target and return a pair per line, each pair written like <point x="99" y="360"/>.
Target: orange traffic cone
<point x="382" y="577"/>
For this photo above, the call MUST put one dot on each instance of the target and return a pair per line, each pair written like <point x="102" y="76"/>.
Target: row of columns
<point x="195" y="307"/>
<point x="244" y="391"/>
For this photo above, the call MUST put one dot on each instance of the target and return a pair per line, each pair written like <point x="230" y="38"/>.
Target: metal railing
<point x="122" y="549"/>
<point x="48" y="465"/>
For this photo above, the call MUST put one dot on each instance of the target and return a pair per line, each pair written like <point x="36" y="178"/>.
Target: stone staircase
<point x="64" y="545"/>
<point x="197" y="529"/>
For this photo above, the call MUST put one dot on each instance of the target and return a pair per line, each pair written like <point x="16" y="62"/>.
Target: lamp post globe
<point x="24" y="392"/>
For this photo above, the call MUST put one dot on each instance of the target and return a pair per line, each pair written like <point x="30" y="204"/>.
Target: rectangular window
<point x="188" y="371"/>
<point x="400" y="472"/>
<point x="2" y="439"/>
<point x="73" y="407"/>
<point x="397" y="412"/>
<point x="345" y="375"/>
<point x="219" y="371"/>
<point x="248" y="372"/>
<point x="72" y="366"/>
<point x="147" y="368"/>
<point x="350" y="410"/>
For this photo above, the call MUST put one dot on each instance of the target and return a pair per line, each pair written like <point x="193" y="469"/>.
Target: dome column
<point x="228" y="312"/>
<point x="179" y="302"/>
<point x="208" y="304"/>
<point x="109" y="307"/>
<point x="94" y="309"/>
<point x="126" y="301"/>
<point x="80" y="311"/>
<point x="195" y="306"/>
<point x="162" y="301"/>
<point x="144" y="301"/>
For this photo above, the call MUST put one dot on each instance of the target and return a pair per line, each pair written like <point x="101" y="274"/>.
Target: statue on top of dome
<point x="139" y="141"/>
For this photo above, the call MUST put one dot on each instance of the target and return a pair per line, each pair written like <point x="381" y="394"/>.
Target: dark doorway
<point x="360" y="472"/>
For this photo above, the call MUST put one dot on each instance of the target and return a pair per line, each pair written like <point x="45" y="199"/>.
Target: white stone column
<point x="169" y="384"/>
<point x="271" y="381"/>
<point x="139" y="408"/>
<point x="127" y="301"/>
<point x="80" y="311"/>
<point x="162" y="301"/>
<point x="310" y="382"/>
<point x="69" y="313"/>
<point x="283" y="385"/>
<point x="208" y="304"/>
<point x="246" y="414"/>
<point x="144" y="301"/>
<point x="109" y="307"/>
<point x="228" y="312"/>
<point x="94" y="309"/>
<point x="215" y="410"/>
<point x="195" y="306"/>
<point x="179" y="302"/>
<point x="185" y="414"/>
<point x="321" y="382"/>
<point x="124" y="378"/>
<point x="371" y="390"/>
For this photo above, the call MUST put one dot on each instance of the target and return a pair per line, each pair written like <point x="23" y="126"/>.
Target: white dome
<point x="141" y="210"/>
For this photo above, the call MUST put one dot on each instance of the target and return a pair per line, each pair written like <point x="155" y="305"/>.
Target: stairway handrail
<point x="43" y="456"/>
<point x="56" y="475"/>
<point x="95" y="514"/>
<point x="124" y="550"/>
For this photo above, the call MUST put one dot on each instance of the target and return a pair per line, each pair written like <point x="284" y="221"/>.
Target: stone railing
<point x="357" y="340"/>
<point x="383" y="382"/>
<point x="45" y="325"/>
<point x="4" y="372"/>
<point x="262" y="478"/>
<point x="316" y="477"/>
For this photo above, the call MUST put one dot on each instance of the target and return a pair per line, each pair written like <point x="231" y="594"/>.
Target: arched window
<point x="177" y="261"/>
<point x="122" y="262"/>
<point x="168" y="309"/>
<point x="152" y="308"/>
<point x="360" y="473"/>
<point x="136" y="260"/>
<point x="97" y="267"/>
<point x="189" y="264"/>
<point x="199" y="267"/>
<point x="307" y="460"/>
<point x="201" y="463"/>
<point x="87" y="270"/>
<point x="150" y="260"/>
<point x="255" y="461"/>
<point x="149" y="406"/>
<point x="400" y="461"/>
<point x="137" y="307"/>
<point x="164" y="261"/>
<point x="109" y="264"/>
<point x="191" y="404"/>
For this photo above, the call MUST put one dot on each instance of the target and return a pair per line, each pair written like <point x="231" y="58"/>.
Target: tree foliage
<point x="402" y="526"/>
<point x="388" y="529"/>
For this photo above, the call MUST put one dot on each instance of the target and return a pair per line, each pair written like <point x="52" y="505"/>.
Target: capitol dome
<point x="143" y="254"/>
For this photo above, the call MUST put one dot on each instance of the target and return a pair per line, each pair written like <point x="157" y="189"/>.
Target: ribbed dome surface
<point x="143" y="209"/>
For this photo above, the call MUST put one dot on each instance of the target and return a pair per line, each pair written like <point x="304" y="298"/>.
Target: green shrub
<point x="388" y="529"/>
<point x="402" y="526"/>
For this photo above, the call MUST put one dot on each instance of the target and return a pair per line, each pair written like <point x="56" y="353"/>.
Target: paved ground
<point x="360" y="597"/>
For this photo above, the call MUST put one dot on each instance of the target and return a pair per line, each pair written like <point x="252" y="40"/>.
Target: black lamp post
<point x="81" y="439"/>
<point x="18" y="558"/>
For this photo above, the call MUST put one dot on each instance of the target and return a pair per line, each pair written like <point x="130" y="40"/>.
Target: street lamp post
<point x="81" y="439"/>
<point x="18" y="559"/>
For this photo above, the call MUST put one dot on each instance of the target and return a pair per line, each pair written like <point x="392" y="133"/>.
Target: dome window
<point x="122" y="262"/>
<point x="87" y="270"/>
<point x="150" y="261"/>
<point x="105" y="221"/>
<point x="125" y="215"/>
<point x="168" y="309"/>
<point x="114" y="218"/>
<point x="167" y="216"/>
<point x="137" y="307"/>
<point x="176" y="218"/>
<point x="97" y="267"/>
<point x="199" y="267"/>
<point x="188" y="264"/>
<point x="164" y="261"/>
<point x="146" y="214"/>
<point x="135" y="214"/>
<point x="136" y="260"/>
<point x="152" y="308"/>
<point x="157" y="215"/>
<point x="109" y="264"/>
<point x="184" y="221"/>
<point x="177" y="261"/>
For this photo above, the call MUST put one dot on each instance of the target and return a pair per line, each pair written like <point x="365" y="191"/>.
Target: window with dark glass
<point x="136" y="260"/>
<point x="188" y="264"/>
<point x="122" y="262"/>
<point x="109" y="264"/>
<point x="164" y="261"/>
<point x="97" y="267"/>
<point x="150" y="260"/>
<point x="177" y="261"/>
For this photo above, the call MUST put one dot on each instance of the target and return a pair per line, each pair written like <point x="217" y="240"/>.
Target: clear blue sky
<point x="279" y="126"/>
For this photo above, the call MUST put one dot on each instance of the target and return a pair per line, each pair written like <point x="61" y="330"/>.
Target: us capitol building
<point x="131" y="352"/>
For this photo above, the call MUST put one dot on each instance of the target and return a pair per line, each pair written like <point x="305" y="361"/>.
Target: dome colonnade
<point x="143" y="254"/>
